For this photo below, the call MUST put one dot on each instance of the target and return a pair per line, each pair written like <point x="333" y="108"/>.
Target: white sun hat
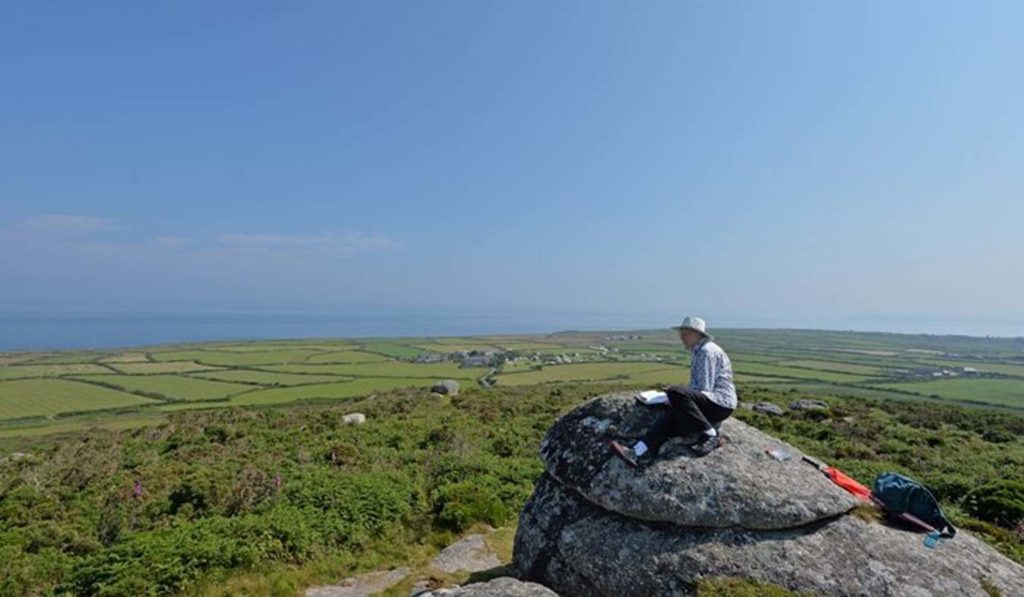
<point x="696" y="324"/>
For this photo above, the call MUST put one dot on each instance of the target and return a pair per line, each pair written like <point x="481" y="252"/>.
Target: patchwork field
<point x="266" y="378"/>
<point x="457" y="345"/>
<point x="1002" y="392"/>
<point x="146" y="368"/>
<point x="277" y="345"/>
<point x="580" y="372"/>
<point x="342" y="389"/>
<point x="125" y="357"/>
<point x="233" y="358"/>
<point x="208" y="375"/>
<point x="393" y="349"/>
<point x="347" y="356"/>
<point x="982" y="366"/>
<point x="835" y="367"/>
<point x="385" y="369"/>
<point x="49" y="397"/>
<point x="24" y="371"/>
<point x="171" y="387"/>
<point x="61" y="357"/>
<point x="772" y="370"/>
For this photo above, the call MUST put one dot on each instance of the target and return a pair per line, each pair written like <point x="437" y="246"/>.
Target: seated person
<point x="697" y="409"/>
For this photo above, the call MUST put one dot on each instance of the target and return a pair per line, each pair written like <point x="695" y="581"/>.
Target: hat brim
<point x="686" y="327"/>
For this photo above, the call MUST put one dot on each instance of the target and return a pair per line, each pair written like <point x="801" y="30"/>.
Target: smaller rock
<point x="769" y="409"/>
<point x="805" y="404"/>
<point x="445" y="386"/>
<point x="14" y="457"/>
<point x="470" y="554"/>
<point x="499" y="587"/>
<point x="354" y="419"/>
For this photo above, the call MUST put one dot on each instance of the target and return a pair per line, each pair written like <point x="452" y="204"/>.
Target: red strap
<point x="848" y="483"/>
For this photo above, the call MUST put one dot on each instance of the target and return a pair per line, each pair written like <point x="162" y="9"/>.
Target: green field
<point x="228" y="358"/>
<point x="63" y="357"/>
<point x="277" y="345"/>
<point x="163" y="367"/>
<point x="49" y="397"/>
<point x="834" y="367"/>
<point x="771" y="370"/>
<point x="265" y="378"/>
<point x="887" y="366"/>
<point x="526" y="346"/>
<point x="343" y="389"/>
<point x="12" y="359"/>
<point x="346" y="356"/>
<point x="22" y="371"/>
<point x="579" y="372"/>
<point x="125" y="357"/>
<point x="172" y="387"/>
<point x="456" y="344"/>
<point x="386" y="369"/>
<point x="982" y="366"/>
<point x="1000" y="392"/>
<point x="392" y="349"/>
<point x="657" y="375"/>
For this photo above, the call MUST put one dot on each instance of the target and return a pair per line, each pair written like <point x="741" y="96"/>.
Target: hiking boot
<point x="624" y="452"/>
<point x="707" y="444"/>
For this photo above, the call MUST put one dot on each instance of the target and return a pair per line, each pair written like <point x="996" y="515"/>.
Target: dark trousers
<point x="690" y="412"/>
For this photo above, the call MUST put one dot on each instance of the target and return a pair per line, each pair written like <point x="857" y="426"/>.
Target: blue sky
<point x="786" y="160"/>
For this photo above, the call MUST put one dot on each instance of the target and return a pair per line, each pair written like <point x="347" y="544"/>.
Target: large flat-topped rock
<point x="737" y="485"/>
<point x="578" y="549"/>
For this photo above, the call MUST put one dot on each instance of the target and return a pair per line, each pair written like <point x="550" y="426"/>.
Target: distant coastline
<point x="38" y="331"/>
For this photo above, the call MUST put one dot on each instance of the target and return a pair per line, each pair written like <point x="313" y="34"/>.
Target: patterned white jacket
<point x="711" y="374"/>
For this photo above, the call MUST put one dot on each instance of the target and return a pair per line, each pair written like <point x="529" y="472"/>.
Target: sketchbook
<point x="651" y="397"/>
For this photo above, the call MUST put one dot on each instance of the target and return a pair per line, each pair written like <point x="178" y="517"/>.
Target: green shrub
<point x="1001" y="503"/>
<point x="461" y="505"/>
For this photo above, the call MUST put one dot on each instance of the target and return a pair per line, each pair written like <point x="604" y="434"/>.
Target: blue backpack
<point x="908" y="500"/>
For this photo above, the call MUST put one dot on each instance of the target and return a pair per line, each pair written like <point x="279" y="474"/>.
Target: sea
<point x="53" y="331"/>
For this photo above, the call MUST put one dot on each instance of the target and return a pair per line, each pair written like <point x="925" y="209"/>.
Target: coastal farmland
<point x="26" y="398"/>
<point x="54" y="389"/>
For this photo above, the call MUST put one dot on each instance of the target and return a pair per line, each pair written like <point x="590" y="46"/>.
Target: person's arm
<point x="702" y="372"/>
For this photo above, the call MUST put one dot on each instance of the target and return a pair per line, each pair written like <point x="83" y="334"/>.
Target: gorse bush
<point x="1000" y="502"/>
<point x="164" y="509"/>
<point x="460" y="505"/>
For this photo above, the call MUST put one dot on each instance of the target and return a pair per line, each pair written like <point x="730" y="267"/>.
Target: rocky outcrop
<point x="596" y="527"/>
<point x="445" y="386"/>
<point x="499" y="587"/>
<point x="769" y="409"/>
<point x="805" y="404"/>
<point x="469" y="554"/>
<point x="739" y="486"/>
<point x="354" y="419"/>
